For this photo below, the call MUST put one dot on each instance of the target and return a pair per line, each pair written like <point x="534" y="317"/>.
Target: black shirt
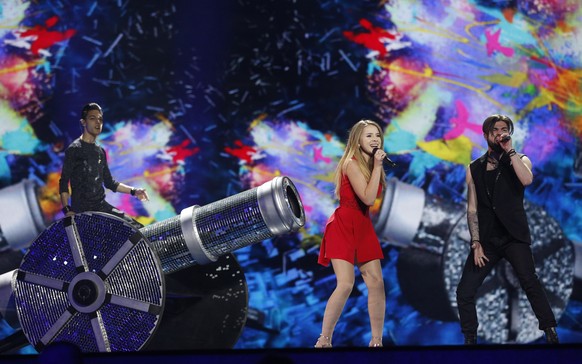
<point x="86" y="168"/>
<point x="496" y="228"/>
<point x="500" y="196"/>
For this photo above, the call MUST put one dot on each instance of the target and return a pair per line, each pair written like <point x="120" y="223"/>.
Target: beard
<point x="495" y="147"/>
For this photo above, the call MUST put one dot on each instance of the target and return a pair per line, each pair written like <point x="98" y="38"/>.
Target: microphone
<point x="386" y="159"/>
<point x="505" y="138"/>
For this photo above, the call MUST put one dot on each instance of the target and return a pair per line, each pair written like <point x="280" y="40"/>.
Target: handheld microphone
<point x="386" y="159"/>
<point x="505" y="138"/>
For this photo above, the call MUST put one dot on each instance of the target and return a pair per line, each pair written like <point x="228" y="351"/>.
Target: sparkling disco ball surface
<point x="91" y="280"/>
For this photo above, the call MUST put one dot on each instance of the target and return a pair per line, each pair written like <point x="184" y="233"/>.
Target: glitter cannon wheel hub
<point x="91" y="280"/>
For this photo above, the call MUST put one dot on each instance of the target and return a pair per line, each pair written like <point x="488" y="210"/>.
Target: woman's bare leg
<point x="344" y="272"/>
<point x="372" y="274"/>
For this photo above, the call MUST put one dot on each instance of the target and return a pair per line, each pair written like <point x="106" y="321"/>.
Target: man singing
<point x="498" y="227"/>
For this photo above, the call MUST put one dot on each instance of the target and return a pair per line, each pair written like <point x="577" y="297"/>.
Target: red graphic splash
<point x="179" y="152"/>
<point x="46" y="38"/>
<point x="374" y="40"/>
<point x="243" y="152"/>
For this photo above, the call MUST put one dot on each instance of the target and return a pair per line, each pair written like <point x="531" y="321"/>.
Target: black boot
<point x="470" y="339"/>
<point x="551" y="335"/>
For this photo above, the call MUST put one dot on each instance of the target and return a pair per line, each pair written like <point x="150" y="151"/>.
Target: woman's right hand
<point x="379" y="157"/>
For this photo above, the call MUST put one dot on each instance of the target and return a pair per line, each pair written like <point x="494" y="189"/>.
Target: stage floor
<point x="486" y="354"/>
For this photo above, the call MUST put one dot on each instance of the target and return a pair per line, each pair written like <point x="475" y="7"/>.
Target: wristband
<point x="511" y="153"/>
<point x="133" y="191"/>
<point x="66" y="209"/>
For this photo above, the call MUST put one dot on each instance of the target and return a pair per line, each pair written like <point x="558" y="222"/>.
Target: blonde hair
<point x="353" y="150"/>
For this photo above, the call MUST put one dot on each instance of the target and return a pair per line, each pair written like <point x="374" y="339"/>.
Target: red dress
<point x="349" y="234"/>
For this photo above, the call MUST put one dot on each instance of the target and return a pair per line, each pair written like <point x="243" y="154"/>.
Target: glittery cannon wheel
<point x="91" y="280"/>
<point x="434" y="237"/>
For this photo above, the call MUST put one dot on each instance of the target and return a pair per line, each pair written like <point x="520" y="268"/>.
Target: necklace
<point x="494" y="162"/>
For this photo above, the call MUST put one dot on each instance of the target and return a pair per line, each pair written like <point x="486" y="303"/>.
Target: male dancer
<point x="498" y="227"/>
<point x="86" y="168"/>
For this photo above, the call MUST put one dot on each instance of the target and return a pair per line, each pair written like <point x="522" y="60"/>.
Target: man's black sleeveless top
<point x="501" y="201"/>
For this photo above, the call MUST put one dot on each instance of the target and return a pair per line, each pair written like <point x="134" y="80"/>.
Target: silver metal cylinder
<point x="400" y="213"/>
<point x="201" y="234"/>
<point x="21" y="218"/>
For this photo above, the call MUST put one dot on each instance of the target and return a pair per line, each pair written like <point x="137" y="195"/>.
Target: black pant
<point x="104" y="206"/>
<point x="519" y="255"/>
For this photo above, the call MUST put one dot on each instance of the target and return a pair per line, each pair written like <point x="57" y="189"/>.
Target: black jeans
<point x="519" y="255"/>
<point x="104" y="206"/>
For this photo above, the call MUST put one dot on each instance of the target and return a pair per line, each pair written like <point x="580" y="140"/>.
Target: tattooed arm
<point x="473" y="221"/>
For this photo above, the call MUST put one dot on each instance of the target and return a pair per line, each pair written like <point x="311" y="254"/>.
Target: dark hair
<point x="88" y="107"/>
<point x="489" y="123"/>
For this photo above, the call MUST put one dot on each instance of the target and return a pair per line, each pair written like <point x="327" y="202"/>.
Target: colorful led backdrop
<point x="209" y="98"/>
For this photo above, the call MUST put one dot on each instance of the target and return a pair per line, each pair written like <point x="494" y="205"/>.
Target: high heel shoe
<point x="323" y="341"/>
<point x="376" y="342"/>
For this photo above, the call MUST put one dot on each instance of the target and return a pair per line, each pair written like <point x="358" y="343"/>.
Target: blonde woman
<point x="349" y="239"/>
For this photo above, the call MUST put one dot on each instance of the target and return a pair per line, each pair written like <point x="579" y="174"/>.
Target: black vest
<point x="505" y="200"/>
